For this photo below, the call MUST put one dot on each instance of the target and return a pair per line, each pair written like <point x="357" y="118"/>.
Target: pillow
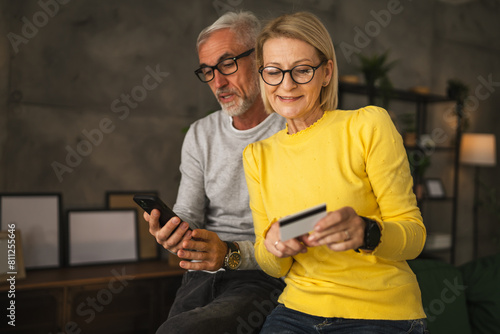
<point x="482" y="278"/>
<point x="443" y="296"/>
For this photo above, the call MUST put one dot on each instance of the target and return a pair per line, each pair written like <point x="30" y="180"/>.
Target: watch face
<point x="373" y="236"/>
<point x="233" y="262"/>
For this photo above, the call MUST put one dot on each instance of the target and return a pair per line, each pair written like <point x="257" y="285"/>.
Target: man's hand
<point x="164" y="236"/>
<point x="205" y="248"/>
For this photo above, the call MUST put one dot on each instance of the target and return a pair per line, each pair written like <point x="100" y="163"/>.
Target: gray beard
<point x="238" y="108"/>
<point x="235" y="109"/>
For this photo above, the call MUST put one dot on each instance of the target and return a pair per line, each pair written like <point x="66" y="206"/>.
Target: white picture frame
<point x="434" y="188"/>
<point x="38" y="216"/>
<point x="102" y="236"/>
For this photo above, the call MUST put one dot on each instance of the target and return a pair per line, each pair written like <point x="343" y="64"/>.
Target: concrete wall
<point x="4" y="79"/>
<point x="121" y="74"/>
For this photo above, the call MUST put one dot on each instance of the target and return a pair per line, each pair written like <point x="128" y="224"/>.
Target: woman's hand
<point x="282" y="248"/>
<point x="340" y="230"/>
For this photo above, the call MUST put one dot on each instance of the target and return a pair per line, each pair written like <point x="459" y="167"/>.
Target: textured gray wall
<point x="86" y="68"/>
<point x="4" y="78"/>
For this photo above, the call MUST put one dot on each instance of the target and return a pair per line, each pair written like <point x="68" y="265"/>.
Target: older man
<point x="224" y="290"/>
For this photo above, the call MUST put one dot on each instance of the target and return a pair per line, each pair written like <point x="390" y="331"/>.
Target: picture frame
<point x="11" y="244"/>
<point x="434" y="188"/>
<point x="38" y="216"/>
<point x="148" y="247"/>
<point x="99" y="236"/>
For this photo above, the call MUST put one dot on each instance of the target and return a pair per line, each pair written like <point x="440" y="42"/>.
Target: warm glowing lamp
<point x="478" y="150"/>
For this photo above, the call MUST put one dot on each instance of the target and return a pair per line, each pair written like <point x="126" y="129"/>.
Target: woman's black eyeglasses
<point x="300" y="74"/>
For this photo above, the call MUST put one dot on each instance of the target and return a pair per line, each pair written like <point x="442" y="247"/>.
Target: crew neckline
<point x="301" y="132"/>
<point x="251" y="131"/>
<point x="305" y="133"/>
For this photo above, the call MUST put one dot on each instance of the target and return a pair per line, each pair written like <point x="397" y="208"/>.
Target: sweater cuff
<point x="247" y="251"/>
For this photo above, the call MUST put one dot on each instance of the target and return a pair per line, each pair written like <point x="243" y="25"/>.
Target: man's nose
<point x="220" y="79"/>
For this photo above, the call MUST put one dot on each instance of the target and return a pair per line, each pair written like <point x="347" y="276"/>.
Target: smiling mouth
<point x="288" y="98"/>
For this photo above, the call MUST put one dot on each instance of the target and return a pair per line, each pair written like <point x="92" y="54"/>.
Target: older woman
<point x="349" y="275"/>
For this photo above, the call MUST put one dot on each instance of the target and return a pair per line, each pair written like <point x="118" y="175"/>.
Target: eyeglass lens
<point x="226" y="67"/>
<point x="301" y="74"/>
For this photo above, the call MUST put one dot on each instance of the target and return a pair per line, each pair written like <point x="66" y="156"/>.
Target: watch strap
<point x="372" y="234"/>
<point x="232" y="247"/>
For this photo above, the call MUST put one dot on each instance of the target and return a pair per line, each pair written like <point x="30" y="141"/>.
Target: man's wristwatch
<point x="372" y="234"/>
<point x="232" y="261"/>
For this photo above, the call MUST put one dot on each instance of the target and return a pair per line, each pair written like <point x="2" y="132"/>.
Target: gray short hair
<point x="244" y="24"/>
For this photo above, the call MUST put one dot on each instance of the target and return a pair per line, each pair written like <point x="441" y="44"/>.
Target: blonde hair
<point x="306" y="27"/>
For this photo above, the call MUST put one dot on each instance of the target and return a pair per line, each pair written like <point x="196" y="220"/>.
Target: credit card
<point x="301" y="222"/>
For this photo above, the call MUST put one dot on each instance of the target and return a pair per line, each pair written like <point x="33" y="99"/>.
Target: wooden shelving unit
<point x="114" y="298"/>
<point x="422" y="101"/>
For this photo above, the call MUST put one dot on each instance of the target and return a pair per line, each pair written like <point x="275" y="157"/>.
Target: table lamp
<point x="478" y="150"/>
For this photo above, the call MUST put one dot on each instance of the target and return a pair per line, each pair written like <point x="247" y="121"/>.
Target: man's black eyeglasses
<point x="226" y="66"/>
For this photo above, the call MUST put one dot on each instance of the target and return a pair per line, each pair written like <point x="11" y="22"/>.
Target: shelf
<point x="76" y="276"/>
<point x="397" y="94"/>
<point x="434" y="148"/>
<point x="438" y="199"/>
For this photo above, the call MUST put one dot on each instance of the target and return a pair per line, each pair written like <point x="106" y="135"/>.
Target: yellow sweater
<point x="347" y="158"/>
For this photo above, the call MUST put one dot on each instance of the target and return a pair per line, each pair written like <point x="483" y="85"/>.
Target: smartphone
<point x="150" y="202"/>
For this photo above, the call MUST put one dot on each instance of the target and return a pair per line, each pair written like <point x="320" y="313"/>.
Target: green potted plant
<point x="458" y="91"/>
<point x="419" y="163"/>
<point x="409" y="130"/>
<point x="375" y="69"/>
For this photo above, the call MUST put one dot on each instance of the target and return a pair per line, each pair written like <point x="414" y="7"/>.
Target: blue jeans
<point x="286" y="321"/>
<point x="224" y="302"/>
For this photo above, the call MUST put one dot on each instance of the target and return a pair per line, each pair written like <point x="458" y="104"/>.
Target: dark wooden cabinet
<point x="118" y="298"/>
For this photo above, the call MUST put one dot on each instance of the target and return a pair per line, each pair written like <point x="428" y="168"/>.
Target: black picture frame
<point x="101" y="236"/>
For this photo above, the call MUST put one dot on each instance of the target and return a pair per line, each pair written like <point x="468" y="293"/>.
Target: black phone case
<point x="150" y="202"/>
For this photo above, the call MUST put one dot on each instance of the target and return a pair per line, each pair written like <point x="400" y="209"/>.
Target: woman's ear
<point x="328" y="72"/>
